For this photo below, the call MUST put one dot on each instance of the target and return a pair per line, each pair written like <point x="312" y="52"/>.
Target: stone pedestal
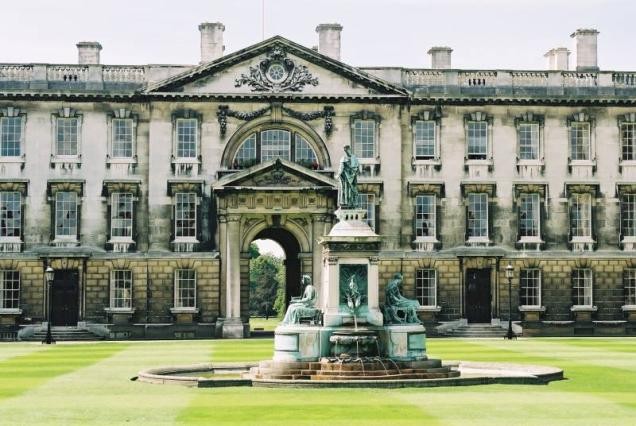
<point x="404" y="342"/>
<point x="350" y="251"/>
<point x="531" y="313"/>
<point x="297" y="343"/>
<point x="232" y="328"/>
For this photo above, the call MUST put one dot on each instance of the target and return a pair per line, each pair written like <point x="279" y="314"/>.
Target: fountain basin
<point x="356" y="343"/>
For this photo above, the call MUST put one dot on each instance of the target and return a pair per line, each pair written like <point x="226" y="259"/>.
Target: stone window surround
<point x="15" y="112"/>
<point x="541" y="189"/>
<point x="65" y="185"/>
<point x="479" y="116"/>
<point x="257" y="134"/>
<point x="184" y="309"/>
<point x="14" y="244"/>
<point x="627" y="242"/>
<point x="176" y="186"/>
<point x="531" y="118"/>
<point x="539" y="289"/>
<point x="582" y="117"/>
<point x="434" y="306"/>
<point x="110" y="187"/>
<point x="435" y="116"/>
<point x="582" y="243"/>
<point x="489" y="188"/>
<point x="121" y="113"/>
<point x="3" y="309"/>
<point x="112" y="281"/>
<point x="436" y="189"/>
<point x="583" y="307"/>
<point x="66" y="161"/>
<point x="369" y="166"/>
<point x="186" y="165"/>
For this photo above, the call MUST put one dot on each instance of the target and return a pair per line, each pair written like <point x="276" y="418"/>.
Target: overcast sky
<point x="483" y="33"/>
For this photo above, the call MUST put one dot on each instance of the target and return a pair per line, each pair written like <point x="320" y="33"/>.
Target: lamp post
<point x="49" y="274"/>
<point x="509" y="273"/>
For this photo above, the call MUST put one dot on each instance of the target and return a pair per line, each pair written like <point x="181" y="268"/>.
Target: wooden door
<point x="478" y="295"/>
<point x="65" y="298"/>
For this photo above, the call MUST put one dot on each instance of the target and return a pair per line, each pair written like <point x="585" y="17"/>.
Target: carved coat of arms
<point x="277" y="73"/>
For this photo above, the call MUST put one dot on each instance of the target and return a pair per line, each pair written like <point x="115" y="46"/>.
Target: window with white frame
<point x="581" y="215"/>
<point x="424" y="140"/>
<point x="628" y="141"/>
<point x="426" y="287"/>
<point x="367" y="202"/>
<point x="121" y="289"/>
<point x="364" y="143"/>
<point x="66" y="214"/>
<point x="629" y="281"/>
<point x="477" y="223"/>
<point x="185" y="288"/>
<point x="186" y="135"/>
<point x="582" y="287"/>
<point x="122" y="137"/>
<point x="628" y="215"/>
<point x="121" y="215"/>
<point x="530" y="287"/>
<point x="529" y="216"/>
<point x="10" y="215"/>
<point x="9" y="289"/>
<point x="275" y="143"/>
<point x="67" y="136"/>
<point x="528" y="141"/>
<point x="580" y="146"/>
<point x="425" y="216"/>
<point x="477" y="144"/>
<point x="11" y="136"/>
<point x="185" y="224"/>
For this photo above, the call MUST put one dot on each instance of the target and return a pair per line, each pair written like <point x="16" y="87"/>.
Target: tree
<point x="266" y="278"/>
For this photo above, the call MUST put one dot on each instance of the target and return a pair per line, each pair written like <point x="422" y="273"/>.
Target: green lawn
<point x="266" y="324"/>
<point x="89" y="383"/>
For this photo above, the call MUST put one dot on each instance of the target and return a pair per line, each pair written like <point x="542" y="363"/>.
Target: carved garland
<point x="327" y="113"/>
<point x="225" y="111"/>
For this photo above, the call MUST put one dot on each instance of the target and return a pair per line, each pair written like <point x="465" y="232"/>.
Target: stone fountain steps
<point x="420" y="376"/>
<point x="477" y="330"/>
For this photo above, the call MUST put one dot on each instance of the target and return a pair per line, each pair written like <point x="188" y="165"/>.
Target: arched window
<point x="270" y="144"/>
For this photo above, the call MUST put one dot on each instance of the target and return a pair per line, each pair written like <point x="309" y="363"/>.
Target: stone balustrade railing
<point x="67" y="73"/>
<point x="93" y="75"/>
<point x="12" y="72"/>
<point x="124" y="74"/>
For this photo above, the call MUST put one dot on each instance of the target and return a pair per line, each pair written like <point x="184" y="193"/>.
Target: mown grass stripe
<point x="21" y="373"/>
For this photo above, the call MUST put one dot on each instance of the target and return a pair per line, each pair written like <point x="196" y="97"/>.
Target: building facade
<point x="143" y="186"/>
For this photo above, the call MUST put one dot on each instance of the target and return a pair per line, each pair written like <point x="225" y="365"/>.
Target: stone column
<point x="233" y="325"/>
<point x="223" y="253"/>
<point x="318" y="231"/>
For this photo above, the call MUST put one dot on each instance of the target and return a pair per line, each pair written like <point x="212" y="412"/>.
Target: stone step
<point x="64" y="334"/>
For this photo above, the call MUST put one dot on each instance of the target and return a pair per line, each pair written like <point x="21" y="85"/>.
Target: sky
<point x="484" y="34"/>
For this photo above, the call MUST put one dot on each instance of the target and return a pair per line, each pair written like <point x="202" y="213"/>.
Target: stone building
<point x="143" y="186"/>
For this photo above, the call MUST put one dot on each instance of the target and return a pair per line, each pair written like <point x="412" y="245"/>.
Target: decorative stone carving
<point x="327" y="113"/>
<point x="225" y="111"/>
<point x="277" y="73"/>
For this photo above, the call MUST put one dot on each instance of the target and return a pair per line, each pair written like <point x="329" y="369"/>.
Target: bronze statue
<point x="397" y="308"/>
<point x="348" y="176"/>
<point x="302" y="307"/>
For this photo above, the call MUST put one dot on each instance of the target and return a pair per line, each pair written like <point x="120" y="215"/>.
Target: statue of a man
<point x="348" y="176"/>
<point x="302" y="307"/>
<point x="399" y="309"/>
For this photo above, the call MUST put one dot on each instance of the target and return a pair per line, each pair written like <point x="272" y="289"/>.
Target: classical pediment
<point x="275" y="66"/>
<point x="275" y="175"/>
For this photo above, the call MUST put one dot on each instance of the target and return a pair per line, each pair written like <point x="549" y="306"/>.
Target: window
<point x="629" y="280"/>
<point x="364" y="138"/>
<point x="367" y="202"/>
<point x="426" y="287"/>
<point x="477" y="215"/>
<point x="530" y="284"/>
<point x="529" y="215"/>
<point x="424" y="140"/>
<point x="185" y="288"/>
<point x="628" y="141"/>
<point x="121" y="289"/>
<point x="10" y="136"/>
<point x="66" y="140"/>
<point x="528" y="141"/>
<point x="66" y="214"/>
<point x="185" y="223"/>
<point x="425" y="216"/>
<point x="275" y="143"/>
<point x="121" y="215"/>
<point x="582" y="287"/>
<point x="122" y="143"/>
<point x="9" y="289"/>
<point x="628" y="215"/>
<point x="581" y="215"/>
<point x="187" y="137"/>
<point x="580" y="141"/>
<point x="477" y="140"/>
<point x="10" y="214"/>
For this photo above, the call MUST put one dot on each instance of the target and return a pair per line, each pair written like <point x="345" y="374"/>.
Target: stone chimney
<point x="88" y="52"/>
<point x="586" y="49"/>
<point x="211" y="41"/>
<point x="329" y="40"/>
<point x="440" y="57"/>
<point x="558" y="59"/>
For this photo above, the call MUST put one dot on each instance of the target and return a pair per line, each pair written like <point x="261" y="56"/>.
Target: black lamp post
<point x="509" y="273"/>
<point x="49" y="274"/>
